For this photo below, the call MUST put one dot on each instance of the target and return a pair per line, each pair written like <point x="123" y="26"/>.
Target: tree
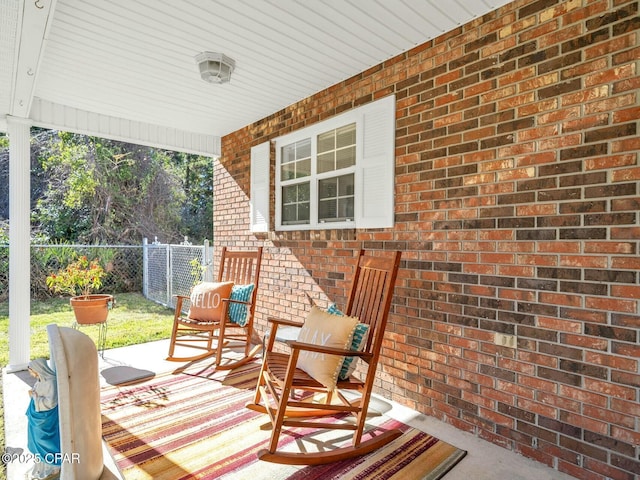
<point x="103" y="191"/>
<point x="197" y="209"/>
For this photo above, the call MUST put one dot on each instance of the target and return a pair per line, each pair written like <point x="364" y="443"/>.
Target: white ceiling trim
<point x="60" y="117"/>
<point x="33" y="20"/>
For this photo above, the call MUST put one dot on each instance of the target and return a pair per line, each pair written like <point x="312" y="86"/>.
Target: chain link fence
<point x="159" y="271"/>
<point x="173" y="269"/>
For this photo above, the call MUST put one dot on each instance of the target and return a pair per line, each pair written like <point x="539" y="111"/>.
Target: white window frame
<point x="374" y="170"/>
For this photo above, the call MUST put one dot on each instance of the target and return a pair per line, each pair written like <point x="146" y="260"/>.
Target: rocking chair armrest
<point x="271" y="335"/>
<point x="181" y="298"/>
<point x="311" y="347"/>
<point x="283" y="322"/>
<point x="227" y="312"/>
<point x="179" y="301"/>
<point x="233" y="300"/>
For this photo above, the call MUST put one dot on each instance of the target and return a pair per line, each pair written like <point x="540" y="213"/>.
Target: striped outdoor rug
<point x="193" y="425"/>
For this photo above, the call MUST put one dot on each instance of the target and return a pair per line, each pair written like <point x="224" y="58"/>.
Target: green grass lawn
<point x="134" y="320"/>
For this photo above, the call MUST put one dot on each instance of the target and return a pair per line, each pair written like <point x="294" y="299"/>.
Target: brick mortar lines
<point x="564" y="139"/>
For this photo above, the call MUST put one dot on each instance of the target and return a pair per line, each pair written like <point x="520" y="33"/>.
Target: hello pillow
<point x="206" y="301"/>
<point x="322" y="328"/>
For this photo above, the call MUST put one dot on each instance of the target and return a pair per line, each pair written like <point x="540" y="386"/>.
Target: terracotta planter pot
<point x="91" y="309"/>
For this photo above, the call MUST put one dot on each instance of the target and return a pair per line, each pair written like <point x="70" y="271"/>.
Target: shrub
<point x="79" y="278"/>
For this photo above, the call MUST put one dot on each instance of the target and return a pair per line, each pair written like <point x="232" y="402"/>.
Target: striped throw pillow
<point x="238" y="312"/>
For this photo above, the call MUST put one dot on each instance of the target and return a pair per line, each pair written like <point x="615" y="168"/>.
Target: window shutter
<point x="259" y="203"/>
<point x="375" y="188"/>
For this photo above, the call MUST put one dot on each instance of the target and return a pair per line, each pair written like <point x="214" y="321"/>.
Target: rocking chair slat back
<point x="371" y="295"/>
<point x="239" y="267"/>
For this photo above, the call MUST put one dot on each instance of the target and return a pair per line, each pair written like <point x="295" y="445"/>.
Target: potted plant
<point x="79" y="279"/>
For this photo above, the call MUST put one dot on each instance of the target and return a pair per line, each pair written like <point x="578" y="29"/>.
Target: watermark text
<point x="20" y="456"/>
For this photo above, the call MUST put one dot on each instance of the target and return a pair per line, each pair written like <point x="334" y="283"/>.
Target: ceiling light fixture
<point x="215" y="67"/>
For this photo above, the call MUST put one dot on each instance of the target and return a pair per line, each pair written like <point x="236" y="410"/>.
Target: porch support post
<point x="19" y="130"/>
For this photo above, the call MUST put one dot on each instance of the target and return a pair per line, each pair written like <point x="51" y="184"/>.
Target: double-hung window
<point x="318" y="188"/>
<point x="338" y="173"/>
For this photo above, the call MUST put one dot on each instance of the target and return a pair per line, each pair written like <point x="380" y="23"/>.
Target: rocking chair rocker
<point x="238" y="275"/>
<point x="283" y="373"/>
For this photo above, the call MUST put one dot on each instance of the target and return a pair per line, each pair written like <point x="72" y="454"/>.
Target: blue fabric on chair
<point x="359" y="335"/>
<point x="238" y="311"/>
<point x="43" y="434"/>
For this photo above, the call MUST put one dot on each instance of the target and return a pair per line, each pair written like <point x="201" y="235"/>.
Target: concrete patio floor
<point x="484" y="461"/>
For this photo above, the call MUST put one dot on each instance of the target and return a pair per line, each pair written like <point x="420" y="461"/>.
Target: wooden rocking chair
<point x="369" y="300"/>
<point x="238" y="276"/>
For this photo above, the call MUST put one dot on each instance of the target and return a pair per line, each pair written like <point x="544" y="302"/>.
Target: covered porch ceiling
<point x="125" y="69"/>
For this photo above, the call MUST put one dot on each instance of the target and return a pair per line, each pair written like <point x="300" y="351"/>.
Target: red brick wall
<point x="517" y="211"/>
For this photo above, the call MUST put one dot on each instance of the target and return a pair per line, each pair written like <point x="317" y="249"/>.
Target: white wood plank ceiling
<point x="126" y="69"/>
